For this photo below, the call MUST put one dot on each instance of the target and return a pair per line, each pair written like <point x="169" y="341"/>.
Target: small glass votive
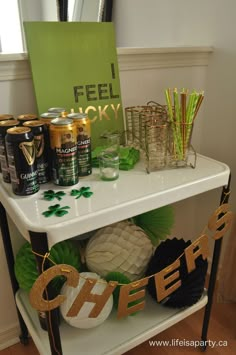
<point x="109" y="165"/>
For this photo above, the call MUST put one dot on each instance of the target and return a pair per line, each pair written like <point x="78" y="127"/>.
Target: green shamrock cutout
<point x="56" y="210"/>
<point x="49" y="195"/>
<point x="83" y="191"/>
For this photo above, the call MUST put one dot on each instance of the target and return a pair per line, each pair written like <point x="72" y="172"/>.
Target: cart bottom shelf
<point x="113" y="336"/>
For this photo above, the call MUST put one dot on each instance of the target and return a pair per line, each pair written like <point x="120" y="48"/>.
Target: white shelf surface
<point x="112" y="337"/>
<point x="133" y="193"/>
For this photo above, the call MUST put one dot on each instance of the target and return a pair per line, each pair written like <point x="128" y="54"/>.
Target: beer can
<point x="63" y="145"/>
<point x="61" y="111"/>
<point x="6" y="117"/>
<point x="26" y="117"/>
<point x="4" y="125"/>
<point x="41" y="145"/>
<point x="21" y="160"/>
<point x="47" y="117"/>
<point x="83" y="128"/>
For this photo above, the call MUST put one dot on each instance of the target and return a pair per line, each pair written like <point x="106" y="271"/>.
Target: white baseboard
<point x="9" y="336"/>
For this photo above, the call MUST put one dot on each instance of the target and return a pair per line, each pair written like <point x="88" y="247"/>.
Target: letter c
<point x="36" y="294"/>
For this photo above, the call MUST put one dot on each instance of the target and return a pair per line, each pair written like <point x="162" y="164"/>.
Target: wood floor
<point x="222" y="328"/>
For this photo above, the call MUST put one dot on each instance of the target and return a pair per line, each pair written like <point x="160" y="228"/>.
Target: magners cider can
<point x="41" y="149"/>
<point x="21" y="155"/>
<point x="4" y="126"/>
<point x="83" y="128"/>
<point x="63" y="145"/>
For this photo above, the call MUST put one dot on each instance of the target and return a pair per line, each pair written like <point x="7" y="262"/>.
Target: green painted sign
<point x="74" y="65"/>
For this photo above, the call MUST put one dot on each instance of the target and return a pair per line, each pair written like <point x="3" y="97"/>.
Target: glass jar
<point x="156" y="139"/>
<point x="179" y="144"/>
<point x="111" y="141"/>
<point x="109" y="165"/>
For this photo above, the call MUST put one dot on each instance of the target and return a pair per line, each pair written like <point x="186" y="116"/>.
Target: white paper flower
<point x="81" y="320"/>
<point x="122" y="247"/>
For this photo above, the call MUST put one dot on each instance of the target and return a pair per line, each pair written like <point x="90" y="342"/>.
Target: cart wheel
<point x="24" y="339"/>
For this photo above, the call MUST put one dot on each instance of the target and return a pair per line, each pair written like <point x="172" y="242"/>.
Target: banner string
<point x="45" y="257"/>
<point x="226" y="194"/>
<point x="133" y="284"/>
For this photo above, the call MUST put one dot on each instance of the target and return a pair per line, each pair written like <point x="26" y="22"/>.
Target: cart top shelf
<point x="133" y="193"/>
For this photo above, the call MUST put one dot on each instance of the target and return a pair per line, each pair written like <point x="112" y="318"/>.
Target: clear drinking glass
<point x="111" y="141"/>
<point x="180" y="135"/>
<point x="156" y="142"/>
<point x="109" y="165"/>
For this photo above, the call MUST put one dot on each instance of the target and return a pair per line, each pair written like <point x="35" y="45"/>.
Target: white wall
<point x="16" y="97"/>
<point x="31" y="10"/>
<point x="164" y="23"/>
<point x="9" y="328"/>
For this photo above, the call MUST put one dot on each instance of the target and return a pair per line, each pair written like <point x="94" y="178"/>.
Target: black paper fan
<point x="192" y="284"/>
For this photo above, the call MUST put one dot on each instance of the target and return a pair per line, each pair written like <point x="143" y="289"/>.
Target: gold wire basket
<point x="136" y="119"/>
<point x="165" y="145"/>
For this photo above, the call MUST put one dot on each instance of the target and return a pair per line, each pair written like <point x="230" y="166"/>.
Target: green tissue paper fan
<point x="156" y="223"/>
<point x="26" y="269"/>
<point x="122" y="279"/>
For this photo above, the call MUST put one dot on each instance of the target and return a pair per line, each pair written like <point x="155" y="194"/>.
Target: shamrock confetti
<point x="83" y="191"/>
<point x="56" y="210"/>
<point x="49" y="195"/>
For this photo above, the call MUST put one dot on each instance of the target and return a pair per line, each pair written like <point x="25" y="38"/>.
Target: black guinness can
<point x="26" y="117"/>
<point x="4" y="125"/>
<point x="21" y="155"/>
<point x="63" y="143"/>
<point x="41" y="146"/>
<point x="6" y="116"/>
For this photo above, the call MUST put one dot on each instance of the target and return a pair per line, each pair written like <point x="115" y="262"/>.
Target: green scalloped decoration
<point x="157" y="223"/>
<point x="26" y="269"/>
<point x="121" y="278"/>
